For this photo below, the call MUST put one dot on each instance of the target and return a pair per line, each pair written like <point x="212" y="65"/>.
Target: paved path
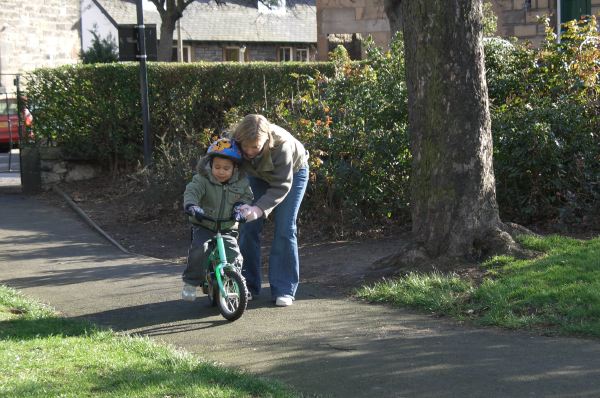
<point x="324" y="344"/>
<point x="10" y="175"/>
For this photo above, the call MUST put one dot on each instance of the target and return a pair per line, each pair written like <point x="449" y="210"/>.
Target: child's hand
<point x="251" y="213"/>
<point x="236" y="214"/>
<point x="194" y="211"/>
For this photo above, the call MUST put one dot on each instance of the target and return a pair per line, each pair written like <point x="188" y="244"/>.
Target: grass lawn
<point x="557" y="292"/>
<point x="44" y="355"/>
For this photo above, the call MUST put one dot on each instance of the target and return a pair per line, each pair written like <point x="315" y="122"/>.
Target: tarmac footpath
<point x="323" y="345"/>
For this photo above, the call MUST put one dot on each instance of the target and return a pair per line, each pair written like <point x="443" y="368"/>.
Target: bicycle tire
<point x="234" y="306"/>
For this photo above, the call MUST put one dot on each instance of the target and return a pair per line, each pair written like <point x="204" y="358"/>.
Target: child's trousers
<point x="202" y="244"/>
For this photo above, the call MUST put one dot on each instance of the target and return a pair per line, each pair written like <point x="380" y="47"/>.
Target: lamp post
<point x="144" y="83"/>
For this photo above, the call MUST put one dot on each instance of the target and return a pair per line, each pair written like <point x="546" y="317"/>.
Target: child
<point x="217" y="190"/>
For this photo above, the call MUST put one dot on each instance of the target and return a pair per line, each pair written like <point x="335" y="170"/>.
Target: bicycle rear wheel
<point x="235" y="304"/>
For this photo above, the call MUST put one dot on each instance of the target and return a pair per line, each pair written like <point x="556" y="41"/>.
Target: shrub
<point x="102" y="50"/>
<point x="354" y="125"/>
<point x="545" y="123"/>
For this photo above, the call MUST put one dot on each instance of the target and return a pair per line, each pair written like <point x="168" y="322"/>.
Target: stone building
<point x="345" y="21"/>
<point x="237" y="30"/>
<point x="37" y="33"/>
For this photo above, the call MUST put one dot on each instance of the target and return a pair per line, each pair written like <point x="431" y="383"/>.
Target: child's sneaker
<point x="205" y="288"/>
<point x="189" y="292"/>
<point x="249" y="296"/>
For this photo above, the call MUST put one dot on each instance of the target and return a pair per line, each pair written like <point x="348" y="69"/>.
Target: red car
<point x="9" y="122"/>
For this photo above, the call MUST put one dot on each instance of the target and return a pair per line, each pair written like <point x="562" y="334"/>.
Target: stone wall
<point x="37" y="33"/>
<point x="519" y="18"/>
<point x="516" y="18"/>
<point x="363" y="17"/>
<point x="55" y="168"/>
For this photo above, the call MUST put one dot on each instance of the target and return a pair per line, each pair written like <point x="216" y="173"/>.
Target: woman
<point x="277" y="166"/>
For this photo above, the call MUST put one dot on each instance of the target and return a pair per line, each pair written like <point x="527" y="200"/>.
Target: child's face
<point x="222" y="169"/>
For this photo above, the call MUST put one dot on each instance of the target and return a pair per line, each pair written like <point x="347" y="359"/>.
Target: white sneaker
<point x="250" y="296"/>
<point x="284" y="301"/>
<point x="189" y="292"/>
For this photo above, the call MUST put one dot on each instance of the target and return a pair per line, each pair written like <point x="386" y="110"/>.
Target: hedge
<point x="545" y="107"/>
<point x="94" y="111"/>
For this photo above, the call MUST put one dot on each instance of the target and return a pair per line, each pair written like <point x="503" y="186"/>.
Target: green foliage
<point x="490" y="20"/>
<point x="354" y="124"/>
<point x="433" y="292"/>
<point x="102" y="50"/>
<point x="94" y="111"/>
<point x="558" y="292"/>
<point x="352" y="116"/>
<point x="43" y="355"/>
<point x="546" y="119"/>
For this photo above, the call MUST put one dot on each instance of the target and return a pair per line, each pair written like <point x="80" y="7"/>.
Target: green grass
<point x="43" y="355"/>
<point x="558" y="292"/>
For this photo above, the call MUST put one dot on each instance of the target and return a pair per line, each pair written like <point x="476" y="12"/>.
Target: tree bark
<point x="453" y="194"/>
<point x="170" y="11"/>
<point x="165" y="45"/>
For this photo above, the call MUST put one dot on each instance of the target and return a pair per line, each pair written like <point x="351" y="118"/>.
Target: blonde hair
<point x="252" y="128"/>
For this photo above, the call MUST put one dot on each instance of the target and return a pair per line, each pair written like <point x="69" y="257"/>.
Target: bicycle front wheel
<point x="233" y="306"/>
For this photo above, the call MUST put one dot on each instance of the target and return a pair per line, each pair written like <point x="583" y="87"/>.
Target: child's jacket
<point x="216" y="199"/>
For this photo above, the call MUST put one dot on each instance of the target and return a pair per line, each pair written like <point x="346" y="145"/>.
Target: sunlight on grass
<point x="558" y="292"/>
<point x="432" y="292"/>
<point x="42" y="355"/>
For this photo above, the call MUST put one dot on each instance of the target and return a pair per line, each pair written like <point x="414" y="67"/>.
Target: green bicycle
<point x="226" y="287"/>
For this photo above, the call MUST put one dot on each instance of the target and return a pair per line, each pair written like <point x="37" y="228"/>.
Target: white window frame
<point x="304" y="50"/>
<point x="289" y="49"/>
<point x="189" y="53"/>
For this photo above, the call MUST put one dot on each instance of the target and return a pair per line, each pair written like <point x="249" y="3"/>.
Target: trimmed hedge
<point x="94" y="111"/>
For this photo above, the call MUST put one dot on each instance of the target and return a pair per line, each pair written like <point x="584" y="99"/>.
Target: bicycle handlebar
<point x="220" y="220"/>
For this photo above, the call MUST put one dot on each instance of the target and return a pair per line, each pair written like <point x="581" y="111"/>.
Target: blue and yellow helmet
<point x="225" y="148"/>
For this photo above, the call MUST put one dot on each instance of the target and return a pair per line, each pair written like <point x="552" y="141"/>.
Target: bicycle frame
<point x="221" y="263"/>
<point x="218" y="256"/>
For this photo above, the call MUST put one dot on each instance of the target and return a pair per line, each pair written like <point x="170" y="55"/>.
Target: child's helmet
<point x="226" y="148"/>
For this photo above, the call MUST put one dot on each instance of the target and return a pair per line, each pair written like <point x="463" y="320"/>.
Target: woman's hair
<point x="251" y="128"/>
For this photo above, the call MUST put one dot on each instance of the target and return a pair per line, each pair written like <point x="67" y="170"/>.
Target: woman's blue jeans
<point x="284" y="264"/>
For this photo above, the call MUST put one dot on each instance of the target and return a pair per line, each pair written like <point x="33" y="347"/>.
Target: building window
<point x="187" y="53"/>
<point x="235" y="54"/>
<point x="574" y="9"/>
<point x="285" y="54"/>
<point x="301" y="55"/>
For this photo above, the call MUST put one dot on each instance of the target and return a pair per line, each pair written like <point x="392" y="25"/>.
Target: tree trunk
<point x="165" y="45"/>
<point x="453" y="193"/>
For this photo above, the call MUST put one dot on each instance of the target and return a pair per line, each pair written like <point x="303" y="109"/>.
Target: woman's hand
<point x="251" y="213"/>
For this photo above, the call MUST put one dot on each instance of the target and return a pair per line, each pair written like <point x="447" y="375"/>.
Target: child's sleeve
<point x="194" y="191"/>
<point x="247" y="196"/>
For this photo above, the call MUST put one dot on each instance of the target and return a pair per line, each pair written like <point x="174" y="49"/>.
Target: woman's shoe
<point x="284" y="301"/>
